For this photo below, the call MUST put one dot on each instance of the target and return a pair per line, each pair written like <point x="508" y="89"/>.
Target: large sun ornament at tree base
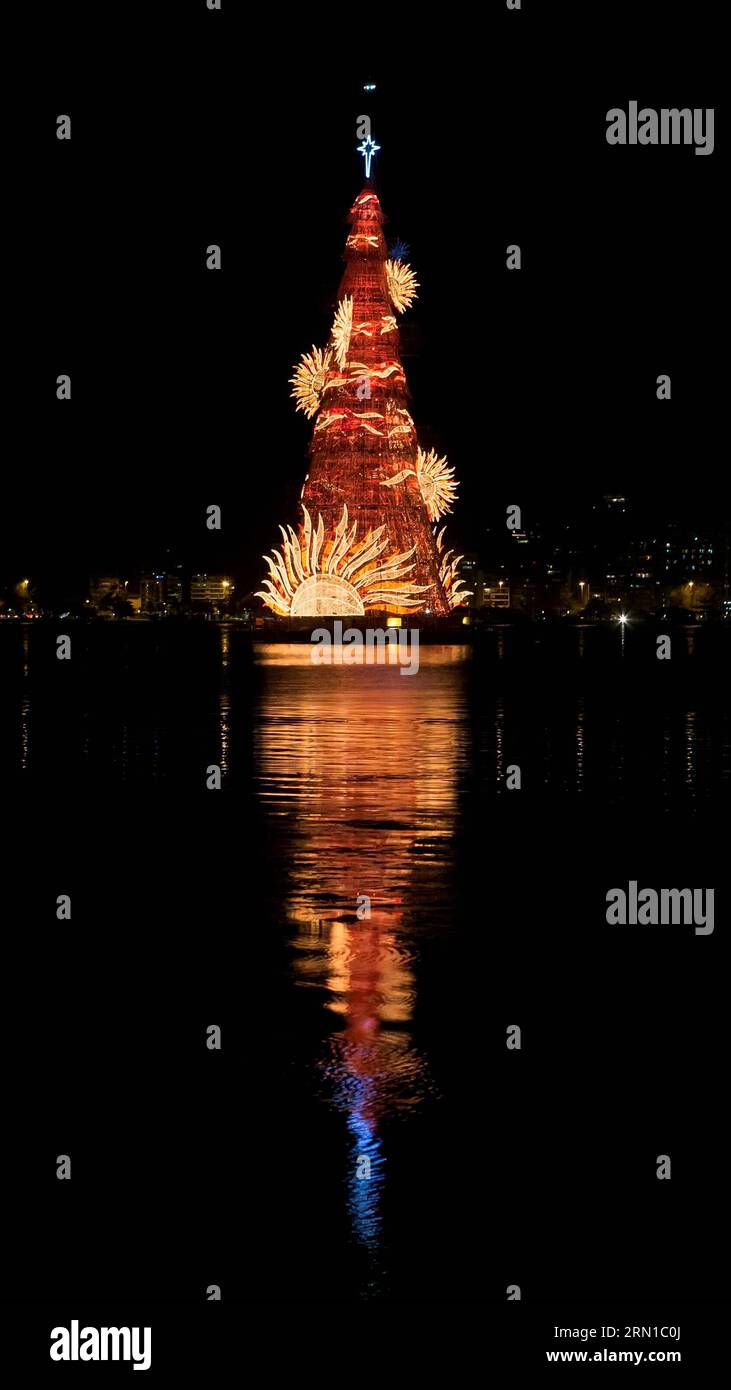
<point x="402" y="285"/>
<point x="435" y="481"/>
<point x="449" y="573"/>
<point x="313" y="578"/>
<point x="309" y="379"/>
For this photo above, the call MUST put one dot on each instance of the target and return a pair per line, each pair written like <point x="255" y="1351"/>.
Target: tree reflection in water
<point x="358" y="769"/>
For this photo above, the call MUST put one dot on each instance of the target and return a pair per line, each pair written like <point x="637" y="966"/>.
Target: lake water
<point x="364" y="909"/>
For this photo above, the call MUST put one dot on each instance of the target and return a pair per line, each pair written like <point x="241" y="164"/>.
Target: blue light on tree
<point x="399" y="251"/>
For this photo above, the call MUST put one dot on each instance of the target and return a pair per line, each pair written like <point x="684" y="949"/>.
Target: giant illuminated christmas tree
<point x="371" y="537"/>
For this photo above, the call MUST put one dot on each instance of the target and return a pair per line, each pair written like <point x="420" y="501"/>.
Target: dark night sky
<point x="539" y="386"/>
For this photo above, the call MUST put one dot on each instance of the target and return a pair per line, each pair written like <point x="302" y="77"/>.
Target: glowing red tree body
<point x="366" y="542"/>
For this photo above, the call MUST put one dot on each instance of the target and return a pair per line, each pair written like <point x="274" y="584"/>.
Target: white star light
<point x="368" y="148"/>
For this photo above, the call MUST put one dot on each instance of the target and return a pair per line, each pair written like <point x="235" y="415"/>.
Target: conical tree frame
<point x="371" y="537"/>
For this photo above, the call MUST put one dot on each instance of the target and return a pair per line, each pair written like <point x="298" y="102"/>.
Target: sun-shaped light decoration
<point x="309" y="379"/>
<point x="342" y="329"/>
<point x="402" y="284"/>
<point x="448" y="573"/>
<point x="435" y="481"/>
<point x="312" y="577"/>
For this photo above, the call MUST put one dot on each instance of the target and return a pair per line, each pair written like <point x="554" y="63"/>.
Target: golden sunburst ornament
<point x="309" y="379"/>
<point x="342" y="329"/>
<point x="402" y="284"/>
<point x="314" y="578"/>
<point x="435" y="480"/>
<point x="448" y="573"/>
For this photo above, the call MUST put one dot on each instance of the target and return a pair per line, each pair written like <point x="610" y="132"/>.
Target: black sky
<point x="539" y="386"/>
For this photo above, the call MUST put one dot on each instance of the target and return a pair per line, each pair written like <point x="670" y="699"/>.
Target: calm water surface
<point x="378" y="805"/>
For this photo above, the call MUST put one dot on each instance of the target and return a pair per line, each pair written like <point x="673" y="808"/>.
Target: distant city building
<point x="495" y="591"/>
<point x="152" y="594"/>
<point x="690" y="556"/>
<point x="174" y="591"/>
<point x="213" y="589"/>
<point x="161" y="593"/>
<point x="106" y="589"/>
<point x="474" y="579"/>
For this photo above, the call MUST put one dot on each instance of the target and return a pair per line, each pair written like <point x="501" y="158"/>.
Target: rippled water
<point x="360" y="767"/>
<point x="392" y="852"/>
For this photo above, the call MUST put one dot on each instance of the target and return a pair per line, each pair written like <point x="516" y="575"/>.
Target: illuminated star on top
<point x="368" y="148"/>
